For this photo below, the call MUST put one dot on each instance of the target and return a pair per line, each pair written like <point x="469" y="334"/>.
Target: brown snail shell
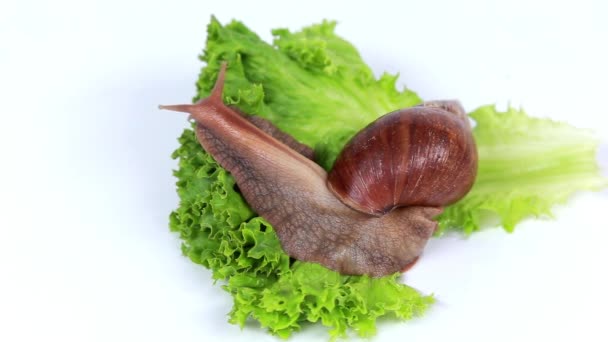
<point x="419" y="156"/>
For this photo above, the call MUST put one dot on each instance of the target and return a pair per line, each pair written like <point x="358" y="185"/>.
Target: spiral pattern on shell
<point x="419" y="156"/>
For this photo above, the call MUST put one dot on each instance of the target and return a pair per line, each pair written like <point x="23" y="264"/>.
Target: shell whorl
<point x="418" y="156"/>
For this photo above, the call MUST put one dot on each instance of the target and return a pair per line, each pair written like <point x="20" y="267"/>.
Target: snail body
<point x="354" y="221"/>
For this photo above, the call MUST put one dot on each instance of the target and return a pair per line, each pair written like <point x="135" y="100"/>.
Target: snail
<point x="373" y="212"/>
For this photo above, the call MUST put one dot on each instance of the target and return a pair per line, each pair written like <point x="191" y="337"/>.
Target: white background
<point x="86" y="184"/>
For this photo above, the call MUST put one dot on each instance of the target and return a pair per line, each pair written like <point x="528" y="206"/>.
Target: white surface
<point x="86" y="184"/>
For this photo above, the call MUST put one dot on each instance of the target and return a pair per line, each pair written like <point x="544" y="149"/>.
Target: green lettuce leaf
<point x="312" y="293"/>
<point x="526" y="165"/>
<point x="315" y="86"/>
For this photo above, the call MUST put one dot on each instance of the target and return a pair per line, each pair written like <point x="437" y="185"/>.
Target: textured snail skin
<point x="423" y="155"/>
<point x="290" y="191"/>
